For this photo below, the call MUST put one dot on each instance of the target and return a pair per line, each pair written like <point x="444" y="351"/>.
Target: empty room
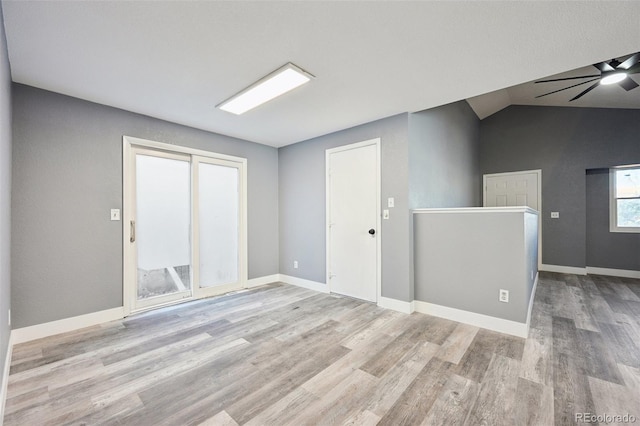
<point x="319" y="212"/>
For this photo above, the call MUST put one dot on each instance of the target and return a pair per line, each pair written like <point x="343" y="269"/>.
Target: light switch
<point x="391" y="202"/>
<point x="115" y="214"/>
<point x="385" y="214"/>
<point x="555" y="215"/>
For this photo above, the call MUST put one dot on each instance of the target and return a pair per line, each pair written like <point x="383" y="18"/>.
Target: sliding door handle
<point x="132" y="231"/>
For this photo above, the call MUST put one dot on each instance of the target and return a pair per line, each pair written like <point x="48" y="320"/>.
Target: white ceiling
<point x="176" y="60"/>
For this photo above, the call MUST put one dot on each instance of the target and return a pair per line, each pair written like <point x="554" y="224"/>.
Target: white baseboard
<point x="514" y="328"/>
<point x="396" y="305"/>
<point x="533" y="296"/>
<point x="5" y="376"/>
<point x="300" y="282"/>
<point x="624" y="273"/>
<point x="25" y="334"/>
<point x="563" y="269"/>
<point x="267" y="279"/>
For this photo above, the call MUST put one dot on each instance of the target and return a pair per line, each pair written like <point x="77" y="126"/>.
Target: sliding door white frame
<point x="132" y="214"/>
<point x="199" y="288"/>
<point x="129" y="256"/>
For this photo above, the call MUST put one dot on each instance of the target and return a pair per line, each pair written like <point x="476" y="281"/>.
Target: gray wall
<point x="67" y="174"/>
<point x="429" y="159"/>
<point x="444" y="147"/>
<point x="607" y="249"/>
<point x="5" y="194"/>
<point x="444" y="166"/>
<point x="302" y="203"/>
<point x="564" y="143"/>
<point x="463" y="259"/>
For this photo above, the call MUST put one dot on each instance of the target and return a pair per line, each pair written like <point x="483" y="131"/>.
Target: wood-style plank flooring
<point x="282" y="355"/>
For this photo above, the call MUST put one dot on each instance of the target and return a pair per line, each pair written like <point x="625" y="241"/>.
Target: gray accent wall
<point x="67" y="175"/>
<point x="605" y="249"/>
<point x="444" y="148"/>
<point x="5" y="196"/>
<point x="303" y="203"/>
<point x="564" y="143"/>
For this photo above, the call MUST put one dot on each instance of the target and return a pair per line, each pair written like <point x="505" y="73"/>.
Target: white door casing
<point x="353" y="220"/>
<point x="522" y="188"/>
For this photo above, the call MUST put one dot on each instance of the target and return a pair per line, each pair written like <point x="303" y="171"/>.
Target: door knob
<point x="372" y="231"/>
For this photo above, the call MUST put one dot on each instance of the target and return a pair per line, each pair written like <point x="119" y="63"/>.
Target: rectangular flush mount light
<point x="277" y="83"/>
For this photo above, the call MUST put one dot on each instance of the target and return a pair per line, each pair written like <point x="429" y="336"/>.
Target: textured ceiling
<point x="177" y="60"/>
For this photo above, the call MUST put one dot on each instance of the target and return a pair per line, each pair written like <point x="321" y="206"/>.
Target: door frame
<point x="128" y="212"/>
<point x="328" y="153"/>
<point x="537" y="172"/>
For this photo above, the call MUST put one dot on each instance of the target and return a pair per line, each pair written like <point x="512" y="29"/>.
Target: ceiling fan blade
<point x="628" y="84"/>
<point x="569" y="87"/>
<point x="566" y="78"/>
<point x="630" y="61"/>
<point x="603" y="66"/>
<point x="634" y="69"/>
<point x="584" y="92"/>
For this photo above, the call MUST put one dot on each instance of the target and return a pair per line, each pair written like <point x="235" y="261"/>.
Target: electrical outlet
<point x="391" y="202"/>
<point x="555" y="215"/>
<point x="504" y="296"/>
<point x="295" y="264"/>
<point x="115" y="214"/>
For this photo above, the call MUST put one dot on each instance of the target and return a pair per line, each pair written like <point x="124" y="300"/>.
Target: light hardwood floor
<point x="282" y="355"/>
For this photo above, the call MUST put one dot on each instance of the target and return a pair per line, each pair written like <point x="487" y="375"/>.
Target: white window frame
<point x="613" y="205"/>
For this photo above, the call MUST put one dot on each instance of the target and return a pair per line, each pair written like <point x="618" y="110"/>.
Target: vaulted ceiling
<point x="541" y="93"/>
<point x="176" y="60"/>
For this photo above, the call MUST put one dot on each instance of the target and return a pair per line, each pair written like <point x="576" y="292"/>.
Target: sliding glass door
<point x="162" y="227"/>
<point x="186" y="226"/>
<point x="217" y="224"/>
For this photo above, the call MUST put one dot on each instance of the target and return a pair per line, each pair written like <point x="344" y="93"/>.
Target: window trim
<point x="613" y="205"/>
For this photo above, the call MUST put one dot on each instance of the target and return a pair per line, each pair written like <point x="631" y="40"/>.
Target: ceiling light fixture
<point x="277" y="83"/>
<point x="613" y="78"/>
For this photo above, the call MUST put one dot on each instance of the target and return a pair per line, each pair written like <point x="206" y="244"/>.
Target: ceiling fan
<point x="611" y="72"/>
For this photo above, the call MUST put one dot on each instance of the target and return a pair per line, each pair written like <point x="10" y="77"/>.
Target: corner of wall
<point x="6" y="142"/>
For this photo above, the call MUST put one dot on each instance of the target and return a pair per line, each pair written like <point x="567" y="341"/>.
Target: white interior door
<point x="353" y="220"/>
<point x="512" y="189"/>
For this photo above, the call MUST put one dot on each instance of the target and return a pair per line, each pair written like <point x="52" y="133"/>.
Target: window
<point x="625" y="199"/>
